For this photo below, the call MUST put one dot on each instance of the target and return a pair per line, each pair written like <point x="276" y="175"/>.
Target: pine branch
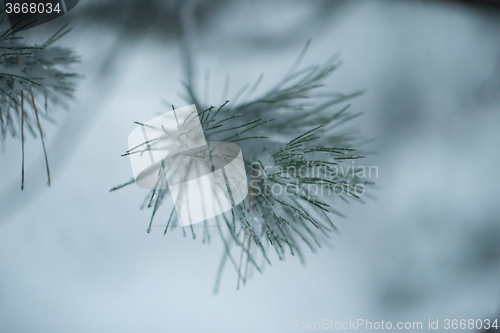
<point x="294" y="187"/>
<point x="37" y="72"/>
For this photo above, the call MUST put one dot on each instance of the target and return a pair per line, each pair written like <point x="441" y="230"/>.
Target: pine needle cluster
<point x="293" y="148"/>
<point x="32" y="78"/>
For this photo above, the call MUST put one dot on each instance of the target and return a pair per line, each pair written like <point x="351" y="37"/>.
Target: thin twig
<point x="241" y="260"/>
<point x="41" y="136"/>
<point x="22" y="139"/>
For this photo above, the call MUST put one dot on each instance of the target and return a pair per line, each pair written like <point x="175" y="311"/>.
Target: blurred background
<point x="76" y="258"/>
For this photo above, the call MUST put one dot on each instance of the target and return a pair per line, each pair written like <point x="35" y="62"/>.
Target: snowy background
<point x="76" y="258"/>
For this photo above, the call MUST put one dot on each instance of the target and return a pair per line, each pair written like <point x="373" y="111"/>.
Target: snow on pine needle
<point x="294" y="149"/>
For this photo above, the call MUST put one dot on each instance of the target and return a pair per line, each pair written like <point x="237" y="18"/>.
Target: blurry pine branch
<point x="33" y="78"/>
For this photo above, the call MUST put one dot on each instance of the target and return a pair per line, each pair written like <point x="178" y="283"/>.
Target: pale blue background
<point x="75" y="258"/>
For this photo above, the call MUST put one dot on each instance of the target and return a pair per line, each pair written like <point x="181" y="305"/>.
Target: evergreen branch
<point x="282" y="204"/>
